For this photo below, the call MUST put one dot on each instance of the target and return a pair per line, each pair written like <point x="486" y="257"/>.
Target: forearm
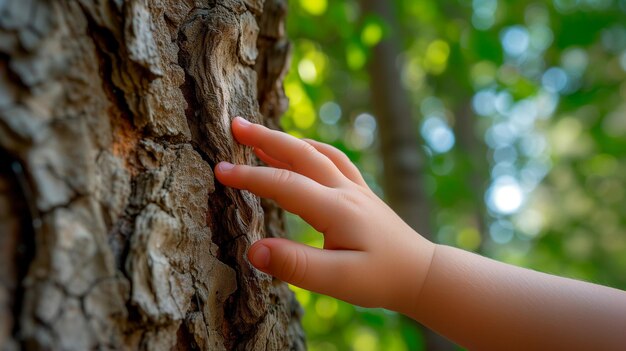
<point x="487" y="305"/>
<point x="372" y="258"/>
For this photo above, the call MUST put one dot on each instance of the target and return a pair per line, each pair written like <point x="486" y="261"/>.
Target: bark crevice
<point x="18" y="224"/>
<point x="118" y="112"/>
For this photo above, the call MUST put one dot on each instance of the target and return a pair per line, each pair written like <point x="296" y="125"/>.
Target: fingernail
<point x="225" y="166"/>
<point x="261" y="257"/>
<point x="243" y="121"/>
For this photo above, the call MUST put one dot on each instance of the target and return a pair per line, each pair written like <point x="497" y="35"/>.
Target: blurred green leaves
<point x="533" y="93"/>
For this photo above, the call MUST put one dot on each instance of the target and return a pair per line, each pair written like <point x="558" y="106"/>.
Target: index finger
<point x="299" y="155"/>
<point x="295" y="193"/>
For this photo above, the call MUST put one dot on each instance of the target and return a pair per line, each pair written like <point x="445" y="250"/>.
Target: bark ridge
<point x="115" y="234"/>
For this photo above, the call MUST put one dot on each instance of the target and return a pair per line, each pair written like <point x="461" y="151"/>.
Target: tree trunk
<point x="114" y="233"/>
<point x="400" y="147"/>
<point x="477" y="166"/>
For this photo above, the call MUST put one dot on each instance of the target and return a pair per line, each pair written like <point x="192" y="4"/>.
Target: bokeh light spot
<point x="483" y="103"/>
<point x="304" y="117"/>
<point x="483" y="73"/>
<point x="330" y="113"/>
<point x="314" y="7"/>
<point x="307" y="71"/>
<point x="575" y="61"/>
<point x="438" y="134"/>
<point x="355" y="57"/>
<point x="484" y="13"/>
<point x="505" y="195"/>
<point x="372" y="33"/>
<point x="326" y="307"/>
<point x="501" y="232"/>
<point x="365" y="340"/>
<point x="530" y="222"/>
<point x="436" y="58"/>
<point x="555" y="80"/>
<point x="364" y="132"/>
<point x="515" y="40"/>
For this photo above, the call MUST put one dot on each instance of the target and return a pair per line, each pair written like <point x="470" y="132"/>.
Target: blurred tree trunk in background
<point x="114" y="233"/>
<point x="402" y="155"/>
<point x="477" y="166"/>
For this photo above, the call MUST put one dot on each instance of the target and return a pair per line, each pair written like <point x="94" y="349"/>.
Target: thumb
<point x="301" y="265"/>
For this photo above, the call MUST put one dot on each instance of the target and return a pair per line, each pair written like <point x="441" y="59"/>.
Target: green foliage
<point x="522" y="116"/>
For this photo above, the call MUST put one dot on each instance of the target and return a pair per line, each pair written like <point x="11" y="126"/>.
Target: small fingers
<point x="323" y="271"/>
<point x="287" y="149"/>
<point x="340" y="160"/>
<point x="269" y="160"/>
<point x="292" y="191"/>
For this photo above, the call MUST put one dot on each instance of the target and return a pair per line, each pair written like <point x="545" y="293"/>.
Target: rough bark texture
<point x="114" y="233"/>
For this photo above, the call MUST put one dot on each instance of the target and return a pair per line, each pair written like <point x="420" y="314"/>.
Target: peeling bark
<point x="115" y="234"/>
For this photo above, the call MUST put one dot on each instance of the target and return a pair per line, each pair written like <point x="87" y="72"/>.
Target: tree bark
<point x="114" y="233"/>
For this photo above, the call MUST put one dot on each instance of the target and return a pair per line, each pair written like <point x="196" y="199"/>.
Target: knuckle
<point x="295" y="271"/>
<point x="343" y="158"/>
<point x="300" y="272"/>
<point x="290" y="266"/>
<point x="307" y="149"/>
<point x="349" y="202"/>
<point x="263" y="135"/>
<point x="337" y="154"/>
<point x="258" y="128"/>
<point x="282" y="176"/>
<point x="240" y="172"/>
<point x="347" y="197"/>
<point x="336" y="151"/>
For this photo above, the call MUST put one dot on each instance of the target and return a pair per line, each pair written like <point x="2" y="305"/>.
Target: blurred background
<point x="496" y="126"/>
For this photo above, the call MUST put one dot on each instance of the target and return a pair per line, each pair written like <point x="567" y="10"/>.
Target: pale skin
<point x="371" y="258"/>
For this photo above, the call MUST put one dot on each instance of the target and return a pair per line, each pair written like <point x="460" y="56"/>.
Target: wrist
<point x="413" y="273"/>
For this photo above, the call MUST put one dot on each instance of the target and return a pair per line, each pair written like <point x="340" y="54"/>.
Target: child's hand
<point x="370" y="258"/>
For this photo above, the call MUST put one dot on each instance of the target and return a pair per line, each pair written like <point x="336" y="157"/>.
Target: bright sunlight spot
<point x="372" y="34"/>
<point x="314" y="7"/>
<point x="326" y="307"/>
<point x="505" y="195"/>
<point x="436" y="59"/>
<point x="365" y="340"/>
<point x="355" y="57"/>
<point x="307" y="71"/>
<point x="515" y="40"/>
<point x="438" y="135"/>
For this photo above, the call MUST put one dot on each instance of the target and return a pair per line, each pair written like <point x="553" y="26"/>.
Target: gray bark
<point x="114" y="232"/>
